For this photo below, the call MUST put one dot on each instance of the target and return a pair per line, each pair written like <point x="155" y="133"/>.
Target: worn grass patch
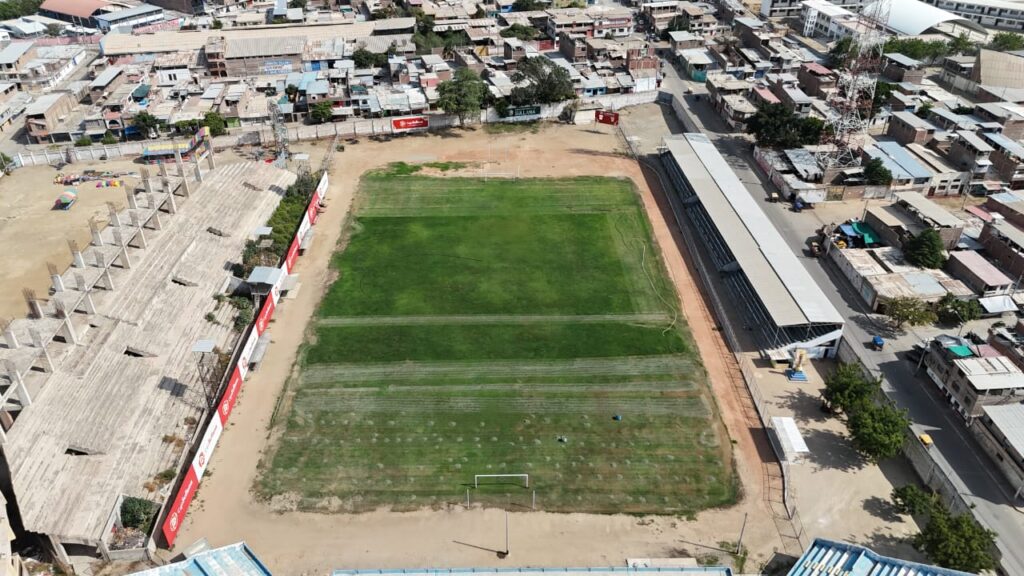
<point x="419" y="374"/>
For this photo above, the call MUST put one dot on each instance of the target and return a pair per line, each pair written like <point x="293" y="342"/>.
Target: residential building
<point x="958" y="72"/>
<point x="1009" y="115"/>
<point x="43" y="116"/>
<point x="697" y="21"/>
<point x="791" y="8"/>
<point x="906" y="128"/>
<point x="816" y="80"/>
<point x="946" y="179"/>
<point x="611" y="20"/>
<point x="1007" y="159"/>
<point x="255" y="56"/>
<point x="911" y="214"/>
<point x="682" y="40"/>
<point x="659" y="14"/>
<point x="573" y="47"/>
<point x="787" y="89"/>
<point x="695" y="62"/>
<point x="880" y="275"/>
<point x="999" y="14"/>
<point x="569" y="21"/>
<point x="728" y="97"/>
<point x="1000" y="431"/>
<point x="823" y="19"/>
<point x="24" y="27"/>
<point x="129" y="18"/>
<point x="1004" y="243"/>
<point x="900" y="68"/>
<point x="907" y="172"/>
<point x="978" y="273"/>
<point x="969" y="152"/>
<point x="969" y="381"/>
<point x="105" y="83"/>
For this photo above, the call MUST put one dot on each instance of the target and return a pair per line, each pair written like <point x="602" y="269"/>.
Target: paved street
<point x="989" y="492"/>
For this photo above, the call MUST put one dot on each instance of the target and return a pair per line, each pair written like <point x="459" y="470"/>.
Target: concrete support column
<point x="60" y="555"/>
<point x="19" y="383"/>
<point x="35" y="308"/>
<point x="172" y="205"/>
<point x="11" y="338"/>
<point x="139" y="234"/>
<point x="115" y="218"/>
<point x="97" y="239"/>
<point x="209" y="154"/>
<point x="186" y="188"/>
<point x="146" y="184"/>
<point x="55" y="278"/>
<point x="108" y="281"/>
<point x="126" y="261"/>
<point x="68" y="330"/>
<point x="179" y="164"/>
<point x="87" y="304"/>
<point x="154" y="221"/>
<point x="198" y="169"/>
<point x="163" y="171"/>
<point x="130" y="195"/>
<point x="37" y="341"/>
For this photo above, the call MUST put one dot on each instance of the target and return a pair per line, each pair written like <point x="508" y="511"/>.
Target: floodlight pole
<point x="506" y="532"/>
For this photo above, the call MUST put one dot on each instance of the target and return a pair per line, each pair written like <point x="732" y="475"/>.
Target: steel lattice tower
<point x="850" y="106"/>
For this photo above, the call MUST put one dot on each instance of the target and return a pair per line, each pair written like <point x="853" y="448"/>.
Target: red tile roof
<point x="77" y="8"/>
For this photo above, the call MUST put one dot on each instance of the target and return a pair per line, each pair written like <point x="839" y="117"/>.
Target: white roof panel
<point x="786" y="289"/>
<point x="912" y="17"/>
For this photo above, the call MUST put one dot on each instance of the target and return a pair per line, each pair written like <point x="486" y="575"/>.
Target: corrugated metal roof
<point x="982" y="269"/>
<point x="828" y="558"/>
<point x="261" y="47"/>
<point x="787" y="291"/>
<point x="1000" y="141"/>
<point x="928" y="209"/>
<point x="78" y="8"/>
<point x="903" y="60"/>
<point x="1009" y="420"/>
<point x="13" y="51"/>
<point x="139" y="10"/>
<point x="106" y="77"/>
<point x="900" y="156"/>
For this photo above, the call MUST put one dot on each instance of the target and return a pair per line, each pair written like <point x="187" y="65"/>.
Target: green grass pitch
<point x="476" y="322"/>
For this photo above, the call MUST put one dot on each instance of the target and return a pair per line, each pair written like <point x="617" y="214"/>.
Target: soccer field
<point x="492" y="327"/>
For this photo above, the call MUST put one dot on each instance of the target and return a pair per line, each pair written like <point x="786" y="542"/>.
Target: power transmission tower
<point x="850" y="107"/>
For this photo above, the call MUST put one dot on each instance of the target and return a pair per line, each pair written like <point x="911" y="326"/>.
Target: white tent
<point x="912" y="17"/>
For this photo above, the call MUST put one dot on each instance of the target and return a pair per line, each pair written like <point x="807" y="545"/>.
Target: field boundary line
<point x="656" y="317"/>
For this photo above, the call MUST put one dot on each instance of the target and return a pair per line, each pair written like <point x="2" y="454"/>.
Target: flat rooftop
<point x="1009" y="420"/>
<point x="786" y="289"/>
<point x="95" y="429"/>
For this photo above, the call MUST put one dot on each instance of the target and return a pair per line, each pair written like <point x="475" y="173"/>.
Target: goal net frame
<point x="477" y="477"/>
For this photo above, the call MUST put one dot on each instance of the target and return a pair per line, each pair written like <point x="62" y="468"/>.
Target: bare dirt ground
<point x="32" y="233"/>
<point x="307" y="543"/>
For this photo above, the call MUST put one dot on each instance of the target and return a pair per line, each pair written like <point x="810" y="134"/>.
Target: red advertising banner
<point x="313" y="210"/>
<point x="321" y="187"/>
<point x="410" y="123"/>
<point x="206" y="447"/>
<point x="293" y="255"/>
<point x="177" y="512"/>
<point x="265" y="314"/>
<point x="605" y="117"/>
<point x="227" y="403"/>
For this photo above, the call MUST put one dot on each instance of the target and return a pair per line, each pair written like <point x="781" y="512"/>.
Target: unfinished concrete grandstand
<point x="781" y="303"/>
<point x="102" y="373"/>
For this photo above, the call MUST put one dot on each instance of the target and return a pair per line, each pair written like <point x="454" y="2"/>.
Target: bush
<point x="242" y="319"/>
<point x="138" y="513"/>
<point x="109" y="139"/>
<point x="83" y="141"/>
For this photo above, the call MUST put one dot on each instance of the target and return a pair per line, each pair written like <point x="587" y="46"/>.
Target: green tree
<point x="841" y="52"/>
<point x="776" y="126"/>
<point x="527" y="5"/>
<point x="676" y="24"/>
<point x="544" y="82"/>
<point x="109" y="139"/>
<point x="957" y="541"/>
<point x="877" y="431"/>
<point x="297" y="4"/>
<point x="54" y="29"/>
<point x="1007" y="42"/>
<point x="876" y="174"/>
<point x="292" y="91"/>
<point x="12" y="9"/>
<point x="83" y="141"/>
<point x="953" y="310"/>
<point x="912" y="500"/>
<point x="463" y="95"/>
<point x="216" y="123"/>
<point x="846" y="387"/>
<point x="217" y="24"/>
<point x="908" y="310"/>
<point x="363" y="58"/>
<point x="882" y="92"/>
<point x="961" y="45"/>
<point x="146" y="123"/>
<point x="926" y="250"/>
<point x="321" y="112"/>
<point x="923" y="110"/>
<point x="519" y="31"/>
<point x="137" y="513"/>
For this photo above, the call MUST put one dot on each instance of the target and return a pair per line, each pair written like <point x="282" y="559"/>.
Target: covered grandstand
<point x="780" y="302"/>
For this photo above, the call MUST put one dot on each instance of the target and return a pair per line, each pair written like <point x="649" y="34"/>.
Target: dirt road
<point x="306" y="543"/>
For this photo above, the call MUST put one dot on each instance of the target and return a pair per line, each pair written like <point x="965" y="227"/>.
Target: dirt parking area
<point x="309" y="543"/>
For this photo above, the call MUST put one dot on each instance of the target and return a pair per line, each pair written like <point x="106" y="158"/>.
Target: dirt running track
<point x="309" y="543"/>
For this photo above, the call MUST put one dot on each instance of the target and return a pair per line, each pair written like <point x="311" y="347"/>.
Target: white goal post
<point x="477" y="477"/>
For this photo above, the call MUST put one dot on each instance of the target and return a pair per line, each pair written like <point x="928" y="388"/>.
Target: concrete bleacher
<point x="96" y="424"/>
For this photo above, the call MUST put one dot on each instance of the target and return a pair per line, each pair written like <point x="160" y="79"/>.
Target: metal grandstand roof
<point x="233" y="560"/>
<point x="828" y="558"/>
<point x="788" y="292"/>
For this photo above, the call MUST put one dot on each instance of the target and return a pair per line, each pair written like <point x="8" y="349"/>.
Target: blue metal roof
<point x="830" y="558"/>
<point x="907" y="162"/>
<point x="233" y="560"/>
<point x="1011" y="146"/>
